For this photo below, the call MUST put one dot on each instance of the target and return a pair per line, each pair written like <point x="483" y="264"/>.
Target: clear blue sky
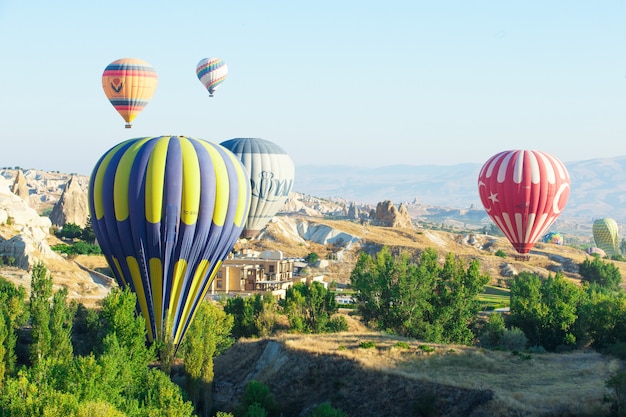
<point x="358" y="83"/>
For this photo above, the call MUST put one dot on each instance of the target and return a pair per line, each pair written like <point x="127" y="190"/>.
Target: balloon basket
<point x="524" y="257"/>
<point x="128" y="126"/>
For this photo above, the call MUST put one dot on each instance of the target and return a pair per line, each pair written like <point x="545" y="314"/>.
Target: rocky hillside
<point x="371" y="374"/>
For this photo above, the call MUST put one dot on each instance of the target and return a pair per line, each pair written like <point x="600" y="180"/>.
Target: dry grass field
<point x="369" y="373"/>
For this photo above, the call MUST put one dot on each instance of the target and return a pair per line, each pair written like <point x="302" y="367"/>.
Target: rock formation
<point x="20" y="188"/>
<point x="390" y="216"/>
<point x="72" y="207"/>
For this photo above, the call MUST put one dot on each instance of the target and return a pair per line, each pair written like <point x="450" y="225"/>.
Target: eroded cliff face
<point x="388" y="215"/>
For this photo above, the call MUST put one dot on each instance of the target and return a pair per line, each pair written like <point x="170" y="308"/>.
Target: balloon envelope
<point x="129" y="84"/>
<point x="271" y="173"/>
<point x="605" y="234"/>
<point x="211" y="72"/>
<point x="166" y="212"/>
<point x="523" y="192"/>
<point x="553" y="237"/>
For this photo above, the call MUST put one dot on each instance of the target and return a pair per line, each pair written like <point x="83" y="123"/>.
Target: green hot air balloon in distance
<point x="271" y="179"/>
<point x="166" y="212"/>
<point x="605" y="235"/>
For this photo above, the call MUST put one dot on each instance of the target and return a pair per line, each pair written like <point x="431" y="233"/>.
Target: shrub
<point x="513" y="339"/>
<point x="426" y="348"/>
<point x="500" y="253"/>
<point x="367" y="345"/>
<point x="402" y="345"/>
<point x="326" y="410"/>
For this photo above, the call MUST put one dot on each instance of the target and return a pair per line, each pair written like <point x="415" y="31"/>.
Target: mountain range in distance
<point x="598" y="186"/>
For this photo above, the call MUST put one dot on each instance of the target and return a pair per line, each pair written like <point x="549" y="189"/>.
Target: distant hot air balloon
<point x="166" y="212"/>
<point x="553" y="237"/>
<point x="605" y="233"/>
<point x="523" y="192"/>
<point x="129" y="84"/>
<point x="211" y="72"/>
<point x="271" y="178"/>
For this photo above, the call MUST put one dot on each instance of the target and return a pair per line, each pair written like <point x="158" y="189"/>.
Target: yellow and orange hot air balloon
<point x="129" y="84"/>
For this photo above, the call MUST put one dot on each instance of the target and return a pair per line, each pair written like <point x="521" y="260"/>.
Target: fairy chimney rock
<point x="72" y="207"/>
<point x="20" y="188"/>
<point x="388" y="215"/>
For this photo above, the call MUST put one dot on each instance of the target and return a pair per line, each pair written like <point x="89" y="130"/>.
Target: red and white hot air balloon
<point x="523" y="192"/>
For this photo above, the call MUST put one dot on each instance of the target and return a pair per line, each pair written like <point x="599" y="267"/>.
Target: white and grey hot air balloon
<point x="271" y="172"/>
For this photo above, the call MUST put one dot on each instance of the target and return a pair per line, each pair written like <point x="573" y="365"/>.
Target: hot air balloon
<point x="271" y="173"/>
<point x="553" y="237"/>
<point x="129" y="84"/>
<point x="166" y="212"/>
<point x="211" y="72"/>
<point x="605" y="235"/>
<point x="523" y="192"/>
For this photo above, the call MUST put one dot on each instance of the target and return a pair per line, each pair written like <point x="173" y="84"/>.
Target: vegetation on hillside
<point x="61" y="358"/>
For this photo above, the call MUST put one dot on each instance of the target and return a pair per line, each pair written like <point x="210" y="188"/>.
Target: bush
<point x="337" y="324"/>
<point x="500" y="253"/>
<point x="513" y="339"/>
<point x="367" y="345"/>
<point x="326" y="410"/>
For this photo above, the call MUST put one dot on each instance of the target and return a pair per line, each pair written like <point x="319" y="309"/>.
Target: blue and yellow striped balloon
<point x="166" y="212"/>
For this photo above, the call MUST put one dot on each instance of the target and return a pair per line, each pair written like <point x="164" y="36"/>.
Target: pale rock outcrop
<point x="322" y="234"/>
<point x="24" y="251"/>
<point x="388" y="215"/>
<point x="72" y="207"/>
<point x="20" y="188"/>
<point x="15" y="212"/>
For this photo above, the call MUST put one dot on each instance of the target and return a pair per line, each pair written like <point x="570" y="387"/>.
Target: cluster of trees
<point x="556" y="314"/>
<point x="60" y="358"/>
<point x="419" y="298"/>
<point x="308" y="308"/>
<point x="434" y="302"/>
<point x="83" y="240"/>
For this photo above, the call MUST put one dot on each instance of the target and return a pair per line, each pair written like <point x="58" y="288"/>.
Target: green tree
<point x="494" y="330"/>
<point x="258" y="401"/>
<point x="600" y="272"/>
<point x="253" y="316"/>
<point x="601" y="318"/>
<point x="87" y="234"/>
<point x="39" y="306"/>
<point x="70" y="231"/>
<point x="309" y="308"/>
<point x="118" y="317"/>
<point x="421" y="299"/>
<point x="61" y="317"/>
<point x="545" y="310"/>
<point x="14" y="314"/>
<point x="311" y="258"/>
<point x="208" y="335"/>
